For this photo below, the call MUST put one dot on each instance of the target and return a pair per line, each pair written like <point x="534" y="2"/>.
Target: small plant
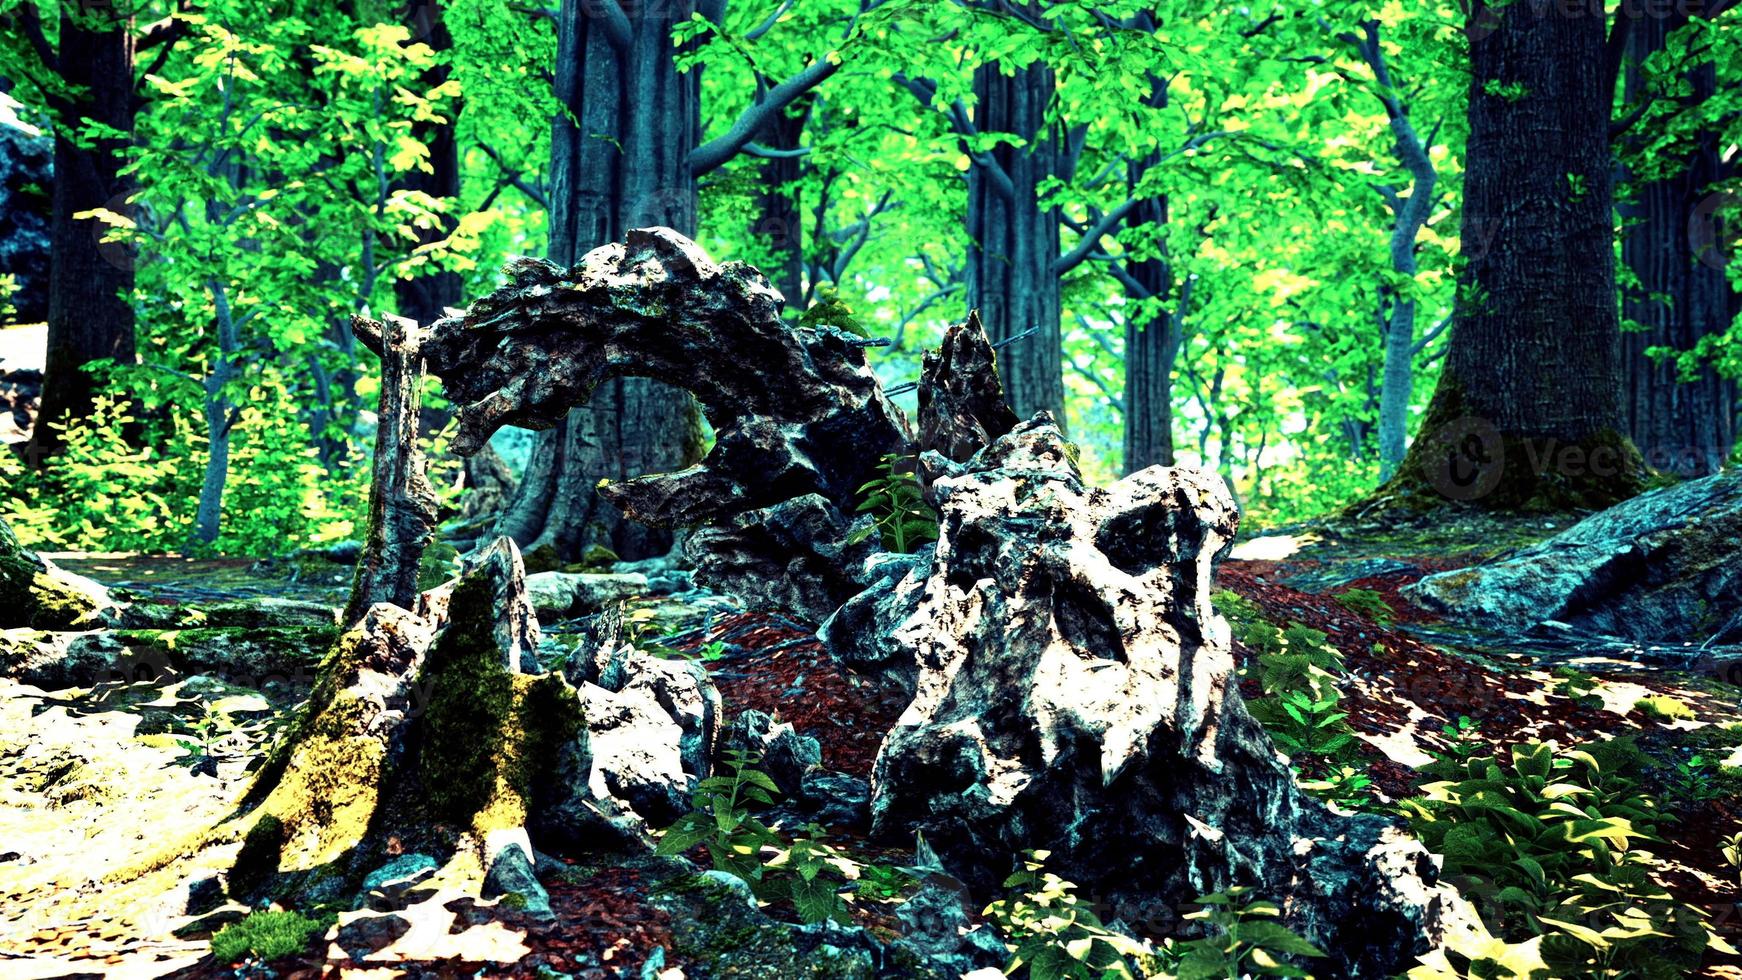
<point x="1694" y="780"/>
<point x="898" y="509"/>
<point x="1346" y="786"/>
<point x="213" y="726"/>
<point x="1732" y="851"/>
<point x="1368" y="603"/>
<point x="816" y="873"/>
<point x="1055" y="934"/>
<point x="268" y="935"/>
<point x="1244" y="941"/>
<point x="1663" y="708"/>
<point x="1578" y="687"/>
<point x="722" y="822"/>
<point x="1302" y="724"/>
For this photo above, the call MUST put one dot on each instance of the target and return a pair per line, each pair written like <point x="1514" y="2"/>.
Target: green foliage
<point x="268" y="935"/>
<point x="1577" y="686"/>
<point x="1368" y="603"/>
<point x="900" y="514"/>
<point x="1055" y="935"/>
<point x="1549" y="846"/>
<point x="810" y="873"/>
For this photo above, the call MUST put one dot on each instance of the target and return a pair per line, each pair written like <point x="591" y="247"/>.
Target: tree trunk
<point x="779" y="217"/>
<point x="1686" y="428"/>
<point x="424" y="298"/>
<point x="208" y="516"/>
<point x="1015" y="242"/>
<point x="1527" y="413"/>
<point x="402" y="505"/>
<point x="1151" y="348"/>
<point x="621" y="162"/>
<point x="90" y="315"/>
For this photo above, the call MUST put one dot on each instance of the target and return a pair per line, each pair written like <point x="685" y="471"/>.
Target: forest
<point x="870" y="488"/>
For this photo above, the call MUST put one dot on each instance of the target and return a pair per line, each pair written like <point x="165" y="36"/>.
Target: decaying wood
<point x="402" y="505"/>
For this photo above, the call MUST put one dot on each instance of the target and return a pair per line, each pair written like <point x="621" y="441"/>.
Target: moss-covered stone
<point x="35" y="593"/>
<point x="256" y="653"/>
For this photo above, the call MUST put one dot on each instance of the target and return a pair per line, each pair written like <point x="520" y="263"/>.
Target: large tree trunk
<point x="90" y="315"/>
<point x="1687" y="428"/>
<point x="1015" y="242"/>
<point x="1528" y="408"/>
<point x="424" y="298"/>
<point x="620" y="163"/>
<point x="779" y="218"/>
<point x="1151" y="346"/>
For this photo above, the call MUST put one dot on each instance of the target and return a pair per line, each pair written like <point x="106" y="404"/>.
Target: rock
<point x="836" y="799"/>
<point x="1662" y="567"/>
<point x="1336" y="574"/>
<point x="798" y="556"/>
<point x="961" y="401"/>
<point x="563" y="595"/>
<point x="658" y="306"/>
<point x="511" y="875"/>
<point x="875" y="633"/>
<point x="637" y="752"/>
<point x="35" y="593"/>
<point x="780" y="751"/>
<point x="1077" y="694"/>
<point x="401" y="872"/>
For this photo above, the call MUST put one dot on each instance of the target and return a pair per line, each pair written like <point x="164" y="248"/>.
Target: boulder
<point x="799" y="556"/>
<point x="1663" y="567"/>
<point x="653" y="723"/>
<point x="780" y="751"/>
<point x="961" y="400"/>
<point x="875" y="633"/>
<point x="1077" y="694"/>
<point x="563" y="595"/>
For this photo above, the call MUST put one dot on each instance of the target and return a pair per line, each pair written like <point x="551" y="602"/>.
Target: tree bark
<point x="1015" y="242"/>
<point x="620" y="162"/>
<point x="1687" y="428"/>
<point x="425" y="298"/>
<point x="1527" y="413"/>
<point x="779" y="216"/>
<point x="90" y="314"/>
<point x="1151" y="347"/>
<point x="402" y="505"/>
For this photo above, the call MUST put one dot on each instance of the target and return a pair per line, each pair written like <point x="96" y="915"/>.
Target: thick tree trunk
<point x="621" y="162"/>
<point x="424" y="298"/>
<point x="1015" y="242"/>
<point x="1151" y="348"/>
<point x="90" y="315"/>
<point x="779" y="218"/>
<point x="1528" y="408"/>
<point x="1687" y="428"/>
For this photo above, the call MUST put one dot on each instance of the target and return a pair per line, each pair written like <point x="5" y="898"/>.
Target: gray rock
<point x="781" y="752"/>
<point x="1336" y="574"/>
<point x="800" y="556"/>
<point x="404" y="870"/>
<point x="561" y="595"/>
<point x="1662" y="567"/>
<point x="875" y="633"/>
<point x="1077" y="694"/>
<point x="835" y="799"/>
<point x="512" y="876"/>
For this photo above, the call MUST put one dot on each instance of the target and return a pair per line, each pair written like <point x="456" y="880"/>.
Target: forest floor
<point x="91" y="778"/>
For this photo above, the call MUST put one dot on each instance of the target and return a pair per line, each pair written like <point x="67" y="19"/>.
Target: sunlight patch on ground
<point x="1272" y="547"/>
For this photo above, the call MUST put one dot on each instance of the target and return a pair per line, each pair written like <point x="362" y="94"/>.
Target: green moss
<point x="1663" y="708"/>
<point x="255" y="651"/>
<point x="268" y="935"/>
<point x="1538" y="475"/>
<point x="597" y="558"/>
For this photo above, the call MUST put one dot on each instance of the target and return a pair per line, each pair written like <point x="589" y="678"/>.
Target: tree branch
<point x="711" y="155"/>
<point x="755" y="33"/>
<point x="616" y="23"/>
<point x="1091" y="239"/>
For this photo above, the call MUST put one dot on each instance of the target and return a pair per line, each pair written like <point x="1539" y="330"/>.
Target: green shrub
<point x="268" y="935"/>
<point x="894" y="501"/>
<point x="1550" y="848"/>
